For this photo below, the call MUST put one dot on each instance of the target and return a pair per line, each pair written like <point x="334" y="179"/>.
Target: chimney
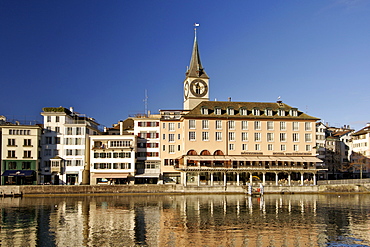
<point x="121" y="128"/>
<point x="71" y="109"/>
<point x="229" y="99"/>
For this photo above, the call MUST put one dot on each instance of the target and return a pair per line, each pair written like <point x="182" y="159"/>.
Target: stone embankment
<point x="62" y="190"/>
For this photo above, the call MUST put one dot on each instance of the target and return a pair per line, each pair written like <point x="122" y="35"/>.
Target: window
<point x="308" y="148"/>
<point x="281" y="112"/>
<point x="294" y="112"/>
<point x="231" y="125"/>
<point x="257" y="137"/>
<point x="218" y="124"/>
<point x="163" y="125"/>
<point x="164" y="136"/>
<point x="270" y="137"/>
<point x="26" y="165"/>
<point x="11" y="153"/>
<point x="49" y="140"/>
<point x="283" y="137"/>
<point x="205" y="136"/>
<point x="56" y="152"/>
<point x="48" y="119"/>
<point x="204" y="111"/>
<point x="218" y="111"/>
<point x="282" y="125"/>
<point x="295" y="126"/>
<point x="230" y="111"/>
<point x="244" y="125"/>
<point x="295" y="147"/>
<point x="178" y="148"/>
<point x="282" y="147"/>
<point x="27" y="142"/>
<point x="57" y="129"/>
<point x="231" y="136"/>
<point x="257" y="125"/>
<point x="171" y="137"/>
<point x="78" y="130"/>
<point x="243" y="112"/>
<point x="244" y="136"/>
<point x="11" y="142"/>
<point x="270" y="125"/>
<point x="69" y="130"/>
<point x="27" y="154"/>
<point x="192" y="124"/>
<point x="178" y="136"/>
<point x="69" y="152"/>
<point x="123" y="143"/>
<point x="78" y="162"/>
<point x="270" y="147"/>
<point x="257" y="147"/>
<point x="56" y="140"/>
<point x="308" y="138"/>
<point x="171" y="149"/>
<point x="308" y="126"/>
<point x="48" y="129"/>
<point x="164" y="148"/>
<point x="12" y="165"/>
<point x="205" y="124"/>
<point x="231" y="146"/>
<point x="171" y="126"/>
<point x="218" y="136"/>
<point x="244" y="147"/>
<point x="295" y="137"/>
<point x="47" y="152"/>
<point x="256" y="111"/>
<point x="191" y="136"/>
<point x="57" y="119"/>
<point x="269" y="112"/>
<point x="78" y="141"/>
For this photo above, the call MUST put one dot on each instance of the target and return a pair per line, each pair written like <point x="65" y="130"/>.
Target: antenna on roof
<point x="146" y="103"/>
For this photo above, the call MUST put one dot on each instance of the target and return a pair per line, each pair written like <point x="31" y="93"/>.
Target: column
<point x="237" y="179"/>
<point x="314" y="179"/>
<point x="211" y="178"/>
<point x="276" y="179"/>
<point x="302" y="178"/>
<point x="225" y="179"/>
<point x="250" y="178"/>
<point x="264" y="178"/>
<point x="289" y="179"/>
<point x="198" y="178"/>
<point x="184" y="178"/>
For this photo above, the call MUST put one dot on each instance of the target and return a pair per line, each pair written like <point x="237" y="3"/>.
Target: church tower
<point x="196" y="83"/>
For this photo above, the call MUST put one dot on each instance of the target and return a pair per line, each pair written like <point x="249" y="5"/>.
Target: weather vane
<point x="195" y="28"/>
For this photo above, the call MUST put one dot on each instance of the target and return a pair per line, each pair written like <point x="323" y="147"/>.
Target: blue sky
<point x="101" y="56"/>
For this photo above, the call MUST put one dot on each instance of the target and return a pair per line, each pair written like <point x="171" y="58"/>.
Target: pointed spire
<point x="196" y="69"/>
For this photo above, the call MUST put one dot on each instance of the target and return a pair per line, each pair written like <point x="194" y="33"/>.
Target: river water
<point x="186" y="220"/>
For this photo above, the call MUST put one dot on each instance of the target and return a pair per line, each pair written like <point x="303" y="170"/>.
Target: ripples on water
<point x="192" y="220"/>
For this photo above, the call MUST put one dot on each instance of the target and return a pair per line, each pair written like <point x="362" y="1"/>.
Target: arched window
<point x="192" y="152"/>
<point x="205" y="152"/>
<point x="218" y="152"/>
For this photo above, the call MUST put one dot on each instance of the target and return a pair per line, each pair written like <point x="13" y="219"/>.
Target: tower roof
<point x="196" y="69"/>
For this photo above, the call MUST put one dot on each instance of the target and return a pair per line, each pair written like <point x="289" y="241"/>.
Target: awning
<point x="253" y="158"/>
<point x="18" y="173"/>
<point x="110" y="175"/>
<point x="147" y="175"/>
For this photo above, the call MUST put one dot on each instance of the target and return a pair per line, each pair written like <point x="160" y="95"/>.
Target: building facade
<point x="360" y="157"/>
<point x="20" y="154"/>
<point x="214" y="142"/>
<point x="65" y="146"/>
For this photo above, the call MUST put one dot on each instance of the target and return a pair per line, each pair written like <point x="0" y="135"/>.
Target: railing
<point x="344" y="181"/>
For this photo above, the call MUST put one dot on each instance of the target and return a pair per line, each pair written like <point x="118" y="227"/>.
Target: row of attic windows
<point x="255" y="111"/>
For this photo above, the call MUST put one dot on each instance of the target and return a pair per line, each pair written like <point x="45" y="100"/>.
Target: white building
<point x="64" y="145"/>
<point x="112" y="159"/>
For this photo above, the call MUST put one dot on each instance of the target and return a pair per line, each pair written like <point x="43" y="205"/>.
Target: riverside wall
<point x="55" y="190"/>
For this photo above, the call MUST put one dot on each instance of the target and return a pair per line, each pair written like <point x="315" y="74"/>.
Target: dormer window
<point x="204" y="111"/>
<point x="281" y="112"/>
<point x="269" y="112"/>
<point x="218" y="111"/>
<point x="256" y="111"/>
<point x="294" y="112"/>
<point x="230" y="111"/>
<point x="243" y="111"/>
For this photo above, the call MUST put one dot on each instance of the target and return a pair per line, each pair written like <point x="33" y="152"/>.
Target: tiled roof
<point x="362" y="131"/>
<point x="249" y="106"/>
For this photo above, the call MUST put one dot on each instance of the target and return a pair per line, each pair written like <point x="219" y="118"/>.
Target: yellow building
<point x="220" y="143"/>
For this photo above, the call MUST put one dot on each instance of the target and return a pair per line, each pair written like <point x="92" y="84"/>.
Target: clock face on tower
<point x="198" y="88"/>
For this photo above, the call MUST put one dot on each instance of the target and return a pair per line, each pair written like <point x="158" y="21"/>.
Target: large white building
<point x="360" y="158"/>
<point x="64" y="146"/>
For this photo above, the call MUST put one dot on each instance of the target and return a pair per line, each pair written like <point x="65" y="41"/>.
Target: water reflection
<point x="202" y="220"/>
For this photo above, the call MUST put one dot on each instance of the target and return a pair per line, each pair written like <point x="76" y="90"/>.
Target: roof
<point x="249" y="106"/>
<point x="362" y="131"/>
<point x="195" y="68"/>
